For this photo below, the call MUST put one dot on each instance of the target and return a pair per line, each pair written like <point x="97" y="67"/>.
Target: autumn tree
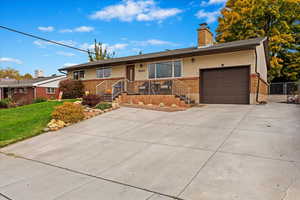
<point x="13" y="74"/>
<point x="27" y="76"/>
<point x="278" y="20"/>
<point x="100" y="52"/>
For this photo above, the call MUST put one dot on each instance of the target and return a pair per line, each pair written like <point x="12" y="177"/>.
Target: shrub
<point x="39" y="100"/>
<point x="71" y="88"/>
<point x="103" y="106"/>
<point x="5" y="103"/>
<point x="68" y="112"/>
<point x="91" y="100"/>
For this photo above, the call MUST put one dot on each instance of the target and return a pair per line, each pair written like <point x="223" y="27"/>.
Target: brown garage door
<point x="225" y="85"/>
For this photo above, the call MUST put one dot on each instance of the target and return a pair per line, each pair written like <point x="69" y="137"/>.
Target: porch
<point x="110" y="90"/>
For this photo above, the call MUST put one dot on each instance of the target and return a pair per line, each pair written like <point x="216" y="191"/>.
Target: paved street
<point x="215" y="152"/>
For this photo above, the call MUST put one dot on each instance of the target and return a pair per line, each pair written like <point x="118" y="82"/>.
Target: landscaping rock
<point x="46" y="129"/>
<point x="161" y="104"/>
<point x="77" y="102"/>
<point x="54" y="125"/>
<point x="174" y="105"/>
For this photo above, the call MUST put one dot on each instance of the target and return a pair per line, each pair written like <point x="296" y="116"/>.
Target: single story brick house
<point x="232" y="73"/>
<point x="25" y="91"/>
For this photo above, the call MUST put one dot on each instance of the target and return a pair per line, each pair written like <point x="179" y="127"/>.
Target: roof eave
<point x="179" y="55"/>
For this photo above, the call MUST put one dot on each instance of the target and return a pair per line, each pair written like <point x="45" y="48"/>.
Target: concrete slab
<point x="42" y="187"/>
<point x="98" y="189"/>
<point x="196" y="137"/>
<point x="97" y="157"/>
<point x="2" y="197"/>
<point x="205" y="119"/>
<point x="104" y="126"/>
<point x="276" y="146"/>
<point x="150" y="132"/>
<point x="271" y="125"/>
<point x="227" y="177"/>
<point x="13" y="170"/>
<point x="160" y="168"/>
<point x="159" y="197"/>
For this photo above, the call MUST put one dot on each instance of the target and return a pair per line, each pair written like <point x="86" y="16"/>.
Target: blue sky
<point x="124" y="26"/>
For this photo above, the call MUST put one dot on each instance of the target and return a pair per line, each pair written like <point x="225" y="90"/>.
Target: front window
<point x="164" y="69"/>
<point x="103" y="72"/>
<point x="77" y="75"/>
<point x="50" y="90"/>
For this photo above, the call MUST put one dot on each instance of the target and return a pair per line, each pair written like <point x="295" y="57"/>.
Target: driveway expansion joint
<point x="92" y="176"/>
<point x="216" y="151"/>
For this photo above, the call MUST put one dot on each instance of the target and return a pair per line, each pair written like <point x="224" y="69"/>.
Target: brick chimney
<point x="205" y="37"/>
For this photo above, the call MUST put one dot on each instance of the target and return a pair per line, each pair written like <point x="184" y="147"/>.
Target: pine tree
<point x="278" y="20"/>
<point x="100" y="52"/>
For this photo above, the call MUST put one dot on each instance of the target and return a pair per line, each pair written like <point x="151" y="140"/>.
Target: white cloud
<point x="140" y="10"/>
<point x="208" y="16"/>
<point x="213" y="2"/>
<point x="43" y="44"/>
<point x="69" y="64"/>
<point x="78" y="29"/>
<point x="46" y="28"/>
<point x="63" y="53"/>
<point x="12" y="60"/>
<point x="153" y="42"/>
<point x="84" y="29"/>
<point x="118" y="46"/>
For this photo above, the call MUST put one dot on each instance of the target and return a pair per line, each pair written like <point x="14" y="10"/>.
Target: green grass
<point x="25" y="121"/>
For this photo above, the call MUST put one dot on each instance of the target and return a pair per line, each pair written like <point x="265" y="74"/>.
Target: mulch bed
<point x="154" y="107"/>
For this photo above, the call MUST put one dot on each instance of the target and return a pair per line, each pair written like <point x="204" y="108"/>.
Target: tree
<point x="100" y="52"/>
<point x="13" y="74"/>
<point x="10" y="73"/>
<point x="26" y="76"/>
<point x="278" y="20"/>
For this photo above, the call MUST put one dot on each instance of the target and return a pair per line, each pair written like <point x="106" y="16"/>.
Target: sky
<point x="125" y="27"/>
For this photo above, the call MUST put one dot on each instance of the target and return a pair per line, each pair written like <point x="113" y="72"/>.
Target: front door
<point x="130" y="72"/>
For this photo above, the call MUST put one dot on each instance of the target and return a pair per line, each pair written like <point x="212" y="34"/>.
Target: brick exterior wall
<point x="263" y="89"/>
<point x="168" y="100"/>
<point x="90" y="85"/>
<point x="41" y="92"/>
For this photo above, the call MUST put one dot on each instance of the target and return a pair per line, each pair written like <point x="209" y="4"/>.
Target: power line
<point x="44" y="39"/>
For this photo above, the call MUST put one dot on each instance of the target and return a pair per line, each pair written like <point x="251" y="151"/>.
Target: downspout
<point x="258" y="79"/>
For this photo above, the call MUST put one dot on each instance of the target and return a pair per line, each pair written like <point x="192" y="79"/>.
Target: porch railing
<point x="148" y="87"/>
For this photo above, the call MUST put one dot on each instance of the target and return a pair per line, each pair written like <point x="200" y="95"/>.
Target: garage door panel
<point x="226" y="85"/>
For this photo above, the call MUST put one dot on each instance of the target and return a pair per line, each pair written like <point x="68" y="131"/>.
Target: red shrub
<point x="71" y="88"/>
<point x="91" y="100"/>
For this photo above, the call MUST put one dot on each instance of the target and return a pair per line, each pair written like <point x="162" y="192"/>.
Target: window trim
<point x="54" y="90"/>
<point x="78" y="74"/>
<point x="172" y="77"/>
<point x="110" y="76"/>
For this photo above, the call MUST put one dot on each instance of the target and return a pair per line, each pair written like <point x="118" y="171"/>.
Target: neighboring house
<point x="233" y="72"/>
<point x="25" y="91"/>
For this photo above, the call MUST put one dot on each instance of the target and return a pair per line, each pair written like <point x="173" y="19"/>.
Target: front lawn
<point x="24" y="121"/>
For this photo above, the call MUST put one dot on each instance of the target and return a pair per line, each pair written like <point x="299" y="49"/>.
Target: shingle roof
<point x="25" y="83"/>
<point x="229" y="46"/>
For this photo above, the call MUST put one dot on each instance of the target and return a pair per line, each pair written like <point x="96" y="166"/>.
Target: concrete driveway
<point x="216" y="152"/>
